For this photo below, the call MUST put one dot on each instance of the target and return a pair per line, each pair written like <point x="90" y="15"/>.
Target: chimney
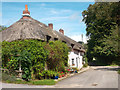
<point x="26" y="13"/>
<point x="50" y="25"/>
<point x="61" y="31"/>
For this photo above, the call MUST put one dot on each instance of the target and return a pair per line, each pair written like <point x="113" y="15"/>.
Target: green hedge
<point x="34" y="55"/>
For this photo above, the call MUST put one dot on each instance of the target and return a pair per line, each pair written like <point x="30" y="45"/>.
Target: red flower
<point x="61" y="72"/>
<point x="68" y="69"/>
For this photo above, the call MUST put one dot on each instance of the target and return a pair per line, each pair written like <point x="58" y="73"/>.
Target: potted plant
<point x="56" y="75"/>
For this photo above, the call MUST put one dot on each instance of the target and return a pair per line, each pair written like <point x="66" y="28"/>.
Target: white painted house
<point x="75" y="59"/>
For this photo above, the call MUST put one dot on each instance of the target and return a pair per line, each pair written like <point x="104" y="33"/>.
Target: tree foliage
<point x="102" y="28"/>
<point x="2" y="28"/>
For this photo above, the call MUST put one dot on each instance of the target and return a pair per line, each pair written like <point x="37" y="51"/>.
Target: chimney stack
<point x="61" y="31"/>
<point x="26" y="13"/>
<point x="26" y="7"/>
<point x="50" y="25"/>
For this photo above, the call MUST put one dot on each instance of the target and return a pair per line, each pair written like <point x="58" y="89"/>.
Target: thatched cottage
<point x="29" y="28"/>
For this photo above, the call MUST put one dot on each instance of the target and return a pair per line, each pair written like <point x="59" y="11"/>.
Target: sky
<point x="65" y="15"/>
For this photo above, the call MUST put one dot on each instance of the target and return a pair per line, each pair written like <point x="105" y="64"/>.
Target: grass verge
<point x="36" y="82"/>
<point x="7" y="78"/>
<point x="113" y="65"/>
<point x="118" y="71"/>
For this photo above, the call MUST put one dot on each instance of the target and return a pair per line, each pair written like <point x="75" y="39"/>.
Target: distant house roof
<point x="29" y="28"/>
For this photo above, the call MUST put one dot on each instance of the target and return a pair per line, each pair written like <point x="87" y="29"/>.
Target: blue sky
<point x="65" y="15"/>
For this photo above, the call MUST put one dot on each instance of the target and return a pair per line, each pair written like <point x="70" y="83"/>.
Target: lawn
<point x="6" y="78"/>
<point x="34" y="82"/>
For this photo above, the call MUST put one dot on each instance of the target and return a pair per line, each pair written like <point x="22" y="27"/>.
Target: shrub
<point x="27" y="52"/>
<point x="38" y="70"/>
<point x="86" y="61"/>
<point x="49" y="73"/>
<point x="33" y="54"/>
<point x="58" y="55"/>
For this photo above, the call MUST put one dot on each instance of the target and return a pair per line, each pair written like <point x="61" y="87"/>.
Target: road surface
<point x="95" y="77"/>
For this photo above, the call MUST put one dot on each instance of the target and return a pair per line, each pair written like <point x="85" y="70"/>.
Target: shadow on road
<point x="109" y="69"/>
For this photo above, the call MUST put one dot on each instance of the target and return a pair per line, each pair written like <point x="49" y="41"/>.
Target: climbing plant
<point x="34" y="55"/>
<point x="30" y="52"/>
<point x="58" y="55"/>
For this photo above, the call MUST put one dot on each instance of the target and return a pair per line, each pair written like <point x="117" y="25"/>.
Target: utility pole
<point x="82" y="37"/>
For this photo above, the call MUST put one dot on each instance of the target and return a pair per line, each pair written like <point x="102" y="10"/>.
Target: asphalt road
<point x="95" y="77"/>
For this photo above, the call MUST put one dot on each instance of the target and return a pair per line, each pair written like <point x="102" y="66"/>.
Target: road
<point x="95" y="77"/>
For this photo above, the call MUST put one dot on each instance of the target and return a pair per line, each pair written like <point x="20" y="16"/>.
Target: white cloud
<point x="79" y="38"/>
<point x="54" y="12"/>
<point x="75" y="16"/>
<point x="59" y="12"/>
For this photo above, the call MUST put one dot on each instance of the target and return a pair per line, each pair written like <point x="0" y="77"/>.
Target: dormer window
<point x="55" y="39"/>
<point x="72" y="45"/>
<point x="63" y="41"/>
<point x="48" y="38"/>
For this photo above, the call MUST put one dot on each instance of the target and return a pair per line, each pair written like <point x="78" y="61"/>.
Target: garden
<point x="34" y="61"/>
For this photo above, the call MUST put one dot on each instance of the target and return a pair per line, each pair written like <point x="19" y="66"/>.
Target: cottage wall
<point x="75" y="59"/>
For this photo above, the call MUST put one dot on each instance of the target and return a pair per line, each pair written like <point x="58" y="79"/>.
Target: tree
<point x="102" y="27"/>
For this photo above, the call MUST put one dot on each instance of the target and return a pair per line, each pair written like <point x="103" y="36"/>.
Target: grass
<point x="118" y="71"/>
<point x="103" y="63"/>
<point x="113" y="65"/>
<point x="6" y="78"/>
<point x="36" y="82"/>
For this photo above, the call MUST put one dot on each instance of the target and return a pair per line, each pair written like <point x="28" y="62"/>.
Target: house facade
<point x="29" y="28"/>
<point x="75" y="59"/>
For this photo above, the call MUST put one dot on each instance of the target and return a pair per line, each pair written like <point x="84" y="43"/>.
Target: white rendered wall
<point x="77" y="62"/>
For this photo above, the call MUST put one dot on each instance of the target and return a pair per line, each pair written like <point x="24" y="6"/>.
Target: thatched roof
<point x="30" y="28"/>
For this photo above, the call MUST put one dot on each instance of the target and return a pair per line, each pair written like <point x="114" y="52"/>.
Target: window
<point x="73" y="62"/>
<point x="55" y="39"/>
<point x="48" y="37"/>
<point x="63" y="41"/>
<point x="72" y="45"/>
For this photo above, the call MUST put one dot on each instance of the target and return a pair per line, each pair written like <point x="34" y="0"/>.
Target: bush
<point x="86" y="61"/>
<point x="33" y="55"/>
<point x="49" y="74"/>
<point x="25" y="51"/>
<point x="58" y="55"/>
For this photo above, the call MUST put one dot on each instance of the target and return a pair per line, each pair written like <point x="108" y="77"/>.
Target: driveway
<point x="95" y="77"/>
